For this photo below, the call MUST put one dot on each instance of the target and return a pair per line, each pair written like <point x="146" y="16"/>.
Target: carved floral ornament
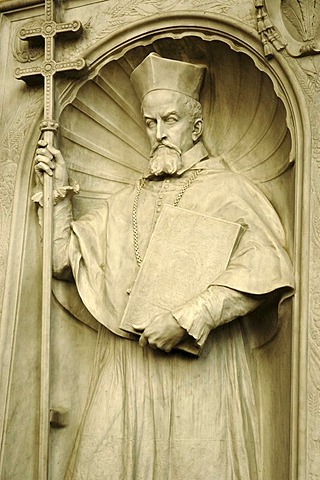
<point x="290" y="24"/>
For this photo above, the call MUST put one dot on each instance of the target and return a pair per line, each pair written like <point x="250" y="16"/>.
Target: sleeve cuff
<point x="212" y="308"/>
<point x="58" y="194"/>
<point x="190" y="318"/>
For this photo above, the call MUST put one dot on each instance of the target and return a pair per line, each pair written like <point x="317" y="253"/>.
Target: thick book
<point x="186" y="253"/>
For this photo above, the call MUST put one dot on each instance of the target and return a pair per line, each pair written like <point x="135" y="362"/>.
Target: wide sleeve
<point x="87" y="256"/>
<point x="259" y="265"/>
<point x="260" y="262"/>
<point x="213" y="308"/>
<point x="62" y="218"/>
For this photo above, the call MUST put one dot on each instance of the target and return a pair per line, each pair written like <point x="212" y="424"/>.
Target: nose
<point x="161" y="133"/>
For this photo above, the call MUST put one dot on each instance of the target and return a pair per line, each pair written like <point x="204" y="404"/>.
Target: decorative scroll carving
<point x="121" y="12"/>
<point x="314" y="360"/>
<point x="117" y="14"/>
<point x="14" y="134"/>
<point x="22" y="51"/>
<point x="302" y="18"/>
<point x="307" y="71"/>
<point x="12" y="142"/>
<point x="6" y="194"/>
<point x="298" y="22"/>
<point x="314" y="328"/>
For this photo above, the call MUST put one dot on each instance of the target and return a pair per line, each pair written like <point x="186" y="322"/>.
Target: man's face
<point x="169" y="128"/>
<point x="165" y="115"/>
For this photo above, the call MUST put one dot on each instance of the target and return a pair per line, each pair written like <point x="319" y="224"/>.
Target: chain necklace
<point x="135" y="209"/>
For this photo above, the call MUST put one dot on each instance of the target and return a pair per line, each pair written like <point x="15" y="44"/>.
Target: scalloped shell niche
<point x="104" y="140"/>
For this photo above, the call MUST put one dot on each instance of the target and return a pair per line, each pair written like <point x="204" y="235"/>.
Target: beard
<point x="165" y="158"/>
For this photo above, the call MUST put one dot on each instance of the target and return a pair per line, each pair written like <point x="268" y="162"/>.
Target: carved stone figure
<point x="155" y="412"/>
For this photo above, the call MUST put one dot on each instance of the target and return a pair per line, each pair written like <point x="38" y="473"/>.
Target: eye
<point x="171" y="119"/>
<point x="150" y="123"/>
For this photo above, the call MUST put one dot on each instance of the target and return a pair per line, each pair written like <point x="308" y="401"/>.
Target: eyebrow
<point x="167" y="114"/>
<point x="172" y="112"/>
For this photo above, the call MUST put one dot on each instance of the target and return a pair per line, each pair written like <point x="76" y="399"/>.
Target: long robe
<point x="158" y="416"/>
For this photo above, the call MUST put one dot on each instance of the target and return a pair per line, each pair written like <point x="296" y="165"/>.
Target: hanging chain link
<point x="135" y="222"/>
<point x="185" y="187"/>
<point x="135" y="210"/>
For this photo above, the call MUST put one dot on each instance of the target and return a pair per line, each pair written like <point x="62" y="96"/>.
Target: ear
<point x="197" y="129"/>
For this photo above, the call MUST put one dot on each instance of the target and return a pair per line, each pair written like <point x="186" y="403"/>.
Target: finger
<point x="44" y="159"/>
<point x="152" y="341"/>
<point x="56" y="153"/>
<point x="43" y="167"/>
<point x="42" y="143"/>
<point x="45" y="152"/>
<point x="167" y="348"/>
<point x="143" y="341"/>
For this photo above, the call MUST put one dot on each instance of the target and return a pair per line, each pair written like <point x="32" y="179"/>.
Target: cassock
<point x="153" y="415"/>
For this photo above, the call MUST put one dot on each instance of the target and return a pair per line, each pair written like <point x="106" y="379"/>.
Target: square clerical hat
<point x="158" y="73"/>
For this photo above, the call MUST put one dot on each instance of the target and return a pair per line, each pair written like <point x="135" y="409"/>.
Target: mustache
<point x="164" y="143"/>
<point x="165" y="159"/>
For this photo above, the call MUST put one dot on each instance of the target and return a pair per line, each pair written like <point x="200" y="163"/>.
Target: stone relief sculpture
<point x="152" y="411"/>
<point x="297" y="24"/>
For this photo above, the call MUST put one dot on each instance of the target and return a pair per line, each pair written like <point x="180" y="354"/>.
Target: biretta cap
<point x="158" y="73"/>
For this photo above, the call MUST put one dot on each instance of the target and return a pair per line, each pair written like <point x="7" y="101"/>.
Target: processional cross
<point x="47" y="32"/>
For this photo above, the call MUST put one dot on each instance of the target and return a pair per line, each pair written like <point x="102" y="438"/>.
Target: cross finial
<point x="49" y="67"/>
<point x="48" y="31"/>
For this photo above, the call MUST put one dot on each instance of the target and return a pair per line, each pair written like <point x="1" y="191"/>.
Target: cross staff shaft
<point x="47" y="70"/>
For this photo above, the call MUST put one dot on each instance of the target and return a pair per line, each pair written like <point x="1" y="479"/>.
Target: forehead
<point x="161" y="102"/>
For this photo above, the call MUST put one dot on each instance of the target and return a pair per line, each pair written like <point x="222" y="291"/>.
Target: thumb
<point x="56" y="153"/>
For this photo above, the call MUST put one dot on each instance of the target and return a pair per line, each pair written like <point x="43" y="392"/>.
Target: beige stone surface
<point x="262" y="115"/>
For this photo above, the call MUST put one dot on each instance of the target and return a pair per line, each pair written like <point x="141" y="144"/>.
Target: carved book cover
<point x="186" y="253"/>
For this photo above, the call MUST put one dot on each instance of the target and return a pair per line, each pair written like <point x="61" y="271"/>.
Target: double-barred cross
<point x="47" y="70"/>
<point x="48" y="31"/>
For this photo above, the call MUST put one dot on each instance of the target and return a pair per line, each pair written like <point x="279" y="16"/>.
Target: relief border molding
<point x="307" y="71"/>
